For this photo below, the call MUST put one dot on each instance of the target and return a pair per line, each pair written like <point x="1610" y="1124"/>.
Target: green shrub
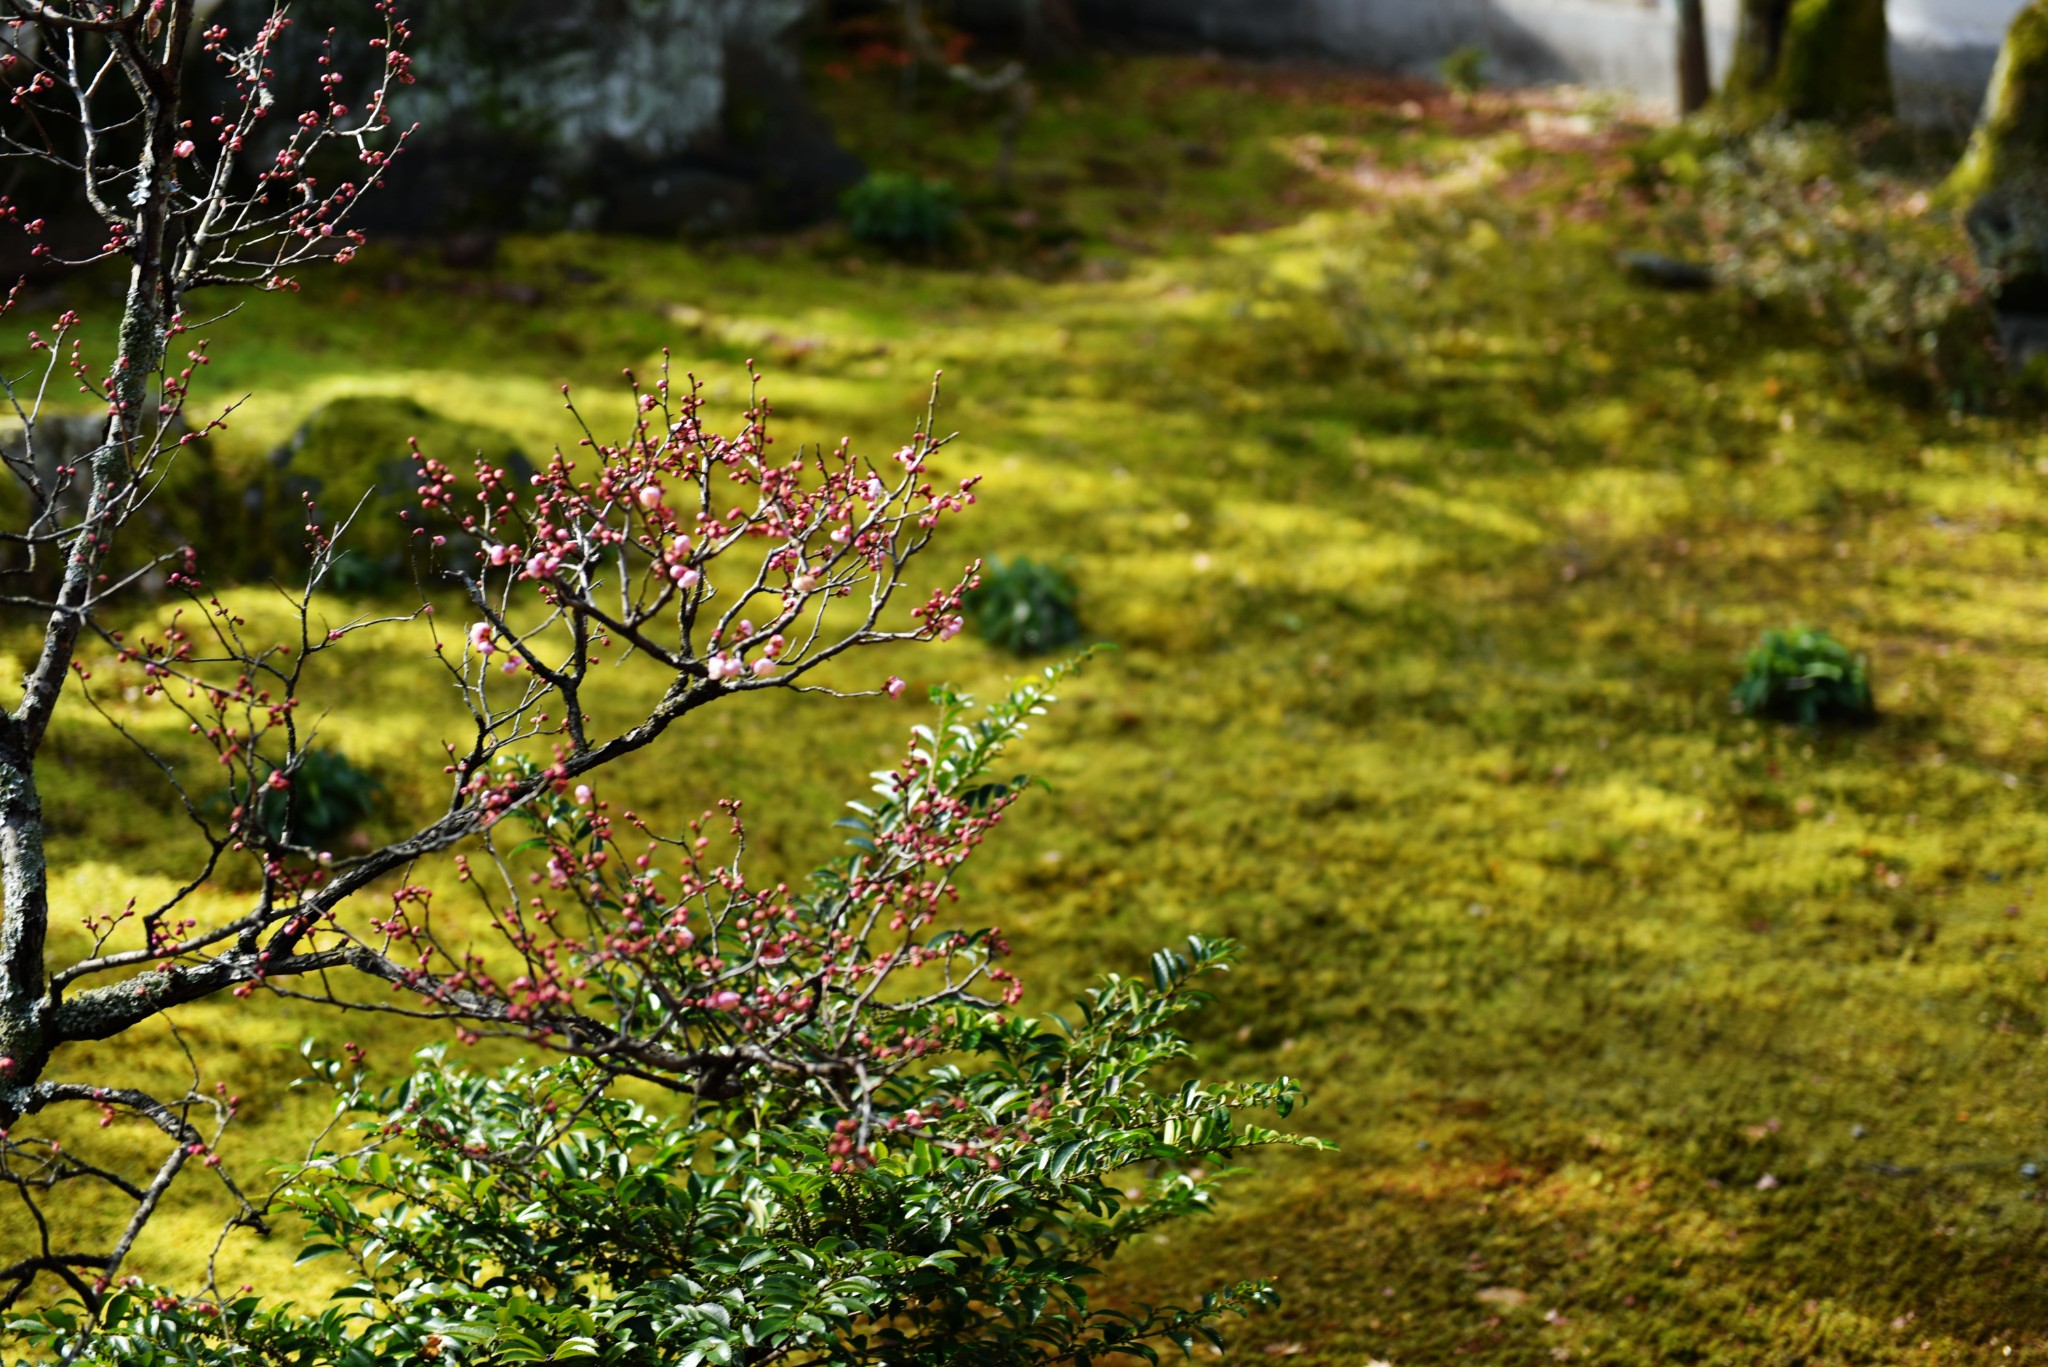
<point x="1464" y="71"/>
<point x="1794" y="223"/>
<point x="1805" y="676"/>
<point x="1024" y="606"/>
<point x="945" y="1198"/>
<point x="329" y="797"/>
<point x="902" y="212"/>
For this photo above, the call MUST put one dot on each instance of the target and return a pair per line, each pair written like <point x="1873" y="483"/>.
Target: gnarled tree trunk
<point x="2002" y="186"/>
<point x="1811" y="59"/>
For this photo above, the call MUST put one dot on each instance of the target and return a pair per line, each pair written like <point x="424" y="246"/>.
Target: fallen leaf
<point x="1506" y="1297"/>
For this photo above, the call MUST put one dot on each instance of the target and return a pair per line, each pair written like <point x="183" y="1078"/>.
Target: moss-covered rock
<point x="247" y="521"/>
<point x="1811" y="59"/>
<point x="353" y="458"/>
<point x="183" y="505"/>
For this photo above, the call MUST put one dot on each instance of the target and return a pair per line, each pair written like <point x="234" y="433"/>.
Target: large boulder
<point x="642" y="115"/>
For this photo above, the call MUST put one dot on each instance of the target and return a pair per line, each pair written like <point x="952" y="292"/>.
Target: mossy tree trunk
<point x="1811" y="59"/>
<point x="2002" y="183"/>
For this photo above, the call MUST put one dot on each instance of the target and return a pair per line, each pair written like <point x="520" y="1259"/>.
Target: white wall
<point x="1952" y="23"/>
<point x="1942" y="50"/>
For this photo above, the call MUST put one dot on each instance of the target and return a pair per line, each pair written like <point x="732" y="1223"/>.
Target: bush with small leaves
<point x="1024" y="606"/>
<point x="1805" y="676"/>
<point x="1795" y="223"/>
<point x="866" y="1171"/>
<point x="902" y="212"/>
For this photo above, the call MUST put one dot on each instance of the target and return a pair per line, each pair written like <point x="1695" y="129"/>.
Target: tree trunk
<point x="1811" y="59"/>
<point x="2001" y="184"/>
<point x="1694" y="84"/>
<point x="25" y="1015"/>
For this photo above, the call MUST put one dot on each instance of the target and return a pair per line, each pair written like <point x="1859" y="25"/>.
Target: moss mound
<point x="184" y="506"/>
<point x="353" y="457"/>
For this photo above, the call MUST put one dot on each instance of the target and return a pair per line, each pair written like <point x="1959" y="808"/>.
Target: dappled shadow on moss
<point x="1432" y="545"/>
<point x="1583" y="1253"/>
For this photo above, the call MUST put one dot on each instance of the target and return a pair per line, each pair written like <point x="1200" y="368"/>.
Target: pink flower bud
<point x="480" y="636"/>
<point x="805" y="582"/>
<point x="498" y="555"/>
<point x="895" y="686"/>
<point x="650" y="496"/>
<point x="684" y="577"/>
<point x="583" y="794"/>
<point x="726" y="1001"/>
<point x="763" y="667"/>
<point x="184" y="149"/>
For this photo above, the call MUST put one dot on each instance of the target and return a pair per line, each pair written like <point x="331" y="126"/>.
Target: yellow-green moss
<point x="1432" y="552"/>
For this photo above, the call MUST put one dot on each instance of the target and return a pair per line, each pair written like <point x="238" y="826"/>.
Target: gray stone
<point x="1665" y="272"/>
<point x="2023" y="337"/>
<point x="636" y="115"/>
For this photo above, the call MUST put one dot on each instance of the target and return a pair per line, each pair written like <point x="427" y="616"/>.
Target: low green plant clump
<point x="1464" y="71"/>
<point x="1805" y="676"/>
<point x="634" y="1233"/>
<point x="329" y="798"/>
<point x="1025" y="606"/>
<point x="901" y="212"/>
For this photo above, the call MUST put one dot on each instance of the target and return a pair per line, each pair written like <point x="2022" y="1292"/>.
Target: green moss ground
<point x="1431" y="546"/>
